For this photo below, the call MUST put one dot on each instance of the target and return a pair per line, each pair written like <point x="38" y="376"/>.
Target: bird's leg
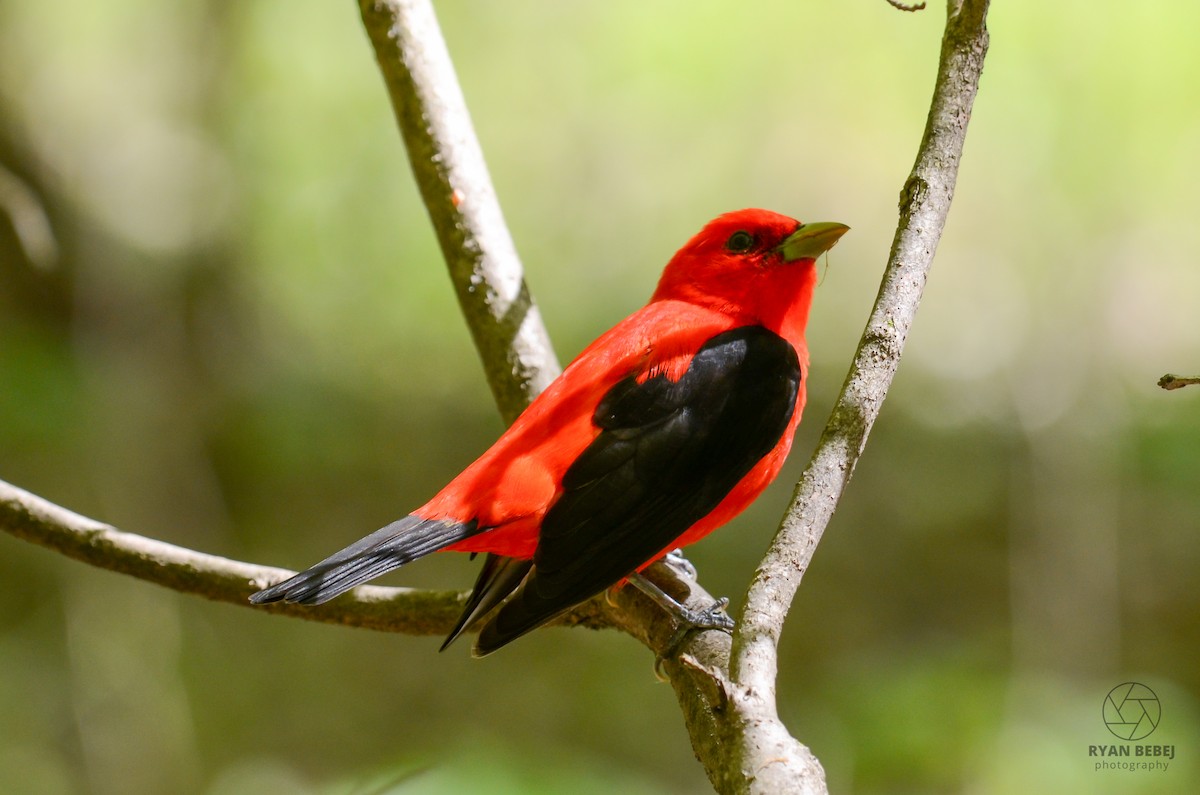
<point x="689" y="621"/>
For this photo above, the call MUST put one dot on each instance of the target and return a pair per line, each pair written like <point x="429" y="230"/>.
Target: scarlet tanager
<point x="662" y="430"/>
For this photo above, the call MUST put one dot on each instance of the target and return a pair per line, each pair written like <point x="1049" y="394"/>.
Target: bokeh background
<point x="224" y="323"/>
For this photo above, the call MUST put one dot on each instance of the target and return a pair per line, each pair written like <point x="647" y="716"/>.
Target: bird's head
<point x="754" y="264"/>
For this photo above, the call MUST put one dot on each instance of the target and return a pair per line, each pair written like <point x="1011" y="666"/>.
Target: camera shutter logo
<point x="1131" y="711"/>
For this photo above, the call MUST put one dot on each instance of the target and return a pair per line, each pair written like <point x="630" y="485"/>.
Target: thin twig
<point x="1170" y="381"/>
<point x="906" y="6"/>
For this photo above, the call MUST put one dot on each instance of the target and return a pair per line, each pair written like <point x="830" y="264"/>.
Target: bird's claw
<point x="687" y="620"/>
<point x="715" y="617"/>
<point x="711" y="617"/>
<point x="679" y="563"/>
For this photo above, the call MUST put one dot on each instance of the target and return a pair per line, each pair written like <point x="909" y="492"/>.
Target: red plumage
<point x="632" y="424"/>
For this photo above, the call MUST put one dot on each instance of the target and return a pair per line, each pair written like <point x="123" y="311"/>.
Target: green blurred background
<point x="233" y="332"/>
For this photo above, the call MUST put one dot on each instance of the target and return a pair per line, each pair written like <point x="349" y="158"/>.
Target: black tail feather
<point x="525" y="611"/>
<point x="386" y="549"/>
<point x="498" y="578"/>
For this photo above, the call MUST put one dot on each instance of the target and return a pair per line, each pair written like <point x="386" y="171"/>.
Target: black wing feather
<point x="668" y="452"/>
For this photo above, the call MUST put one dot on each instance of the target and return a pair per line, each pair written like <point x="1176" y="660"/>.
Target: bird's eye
<point x="739" y="242"/>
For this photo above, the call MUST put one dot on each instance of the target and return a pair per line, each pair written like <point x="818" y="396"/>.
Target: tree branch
<point x="408" y="611"/>
<point x="906" y="6"/>
<point x="40" y="522"/>
<point x="741" y="741"/>
<point x="453" y="179"/>
<point x="924" y="204"/>
<point x="1172" y="381"/>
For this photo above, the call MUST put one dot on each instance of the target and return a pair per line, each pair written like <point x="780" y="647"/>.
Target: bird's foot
<point x="687" y="620"/>
<point x="679" y="563"/>
<point x="711" y="617"/>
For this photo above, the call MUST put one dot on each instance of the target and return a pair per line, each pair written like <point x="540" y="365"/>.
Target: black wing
<point x="668" y="452"/>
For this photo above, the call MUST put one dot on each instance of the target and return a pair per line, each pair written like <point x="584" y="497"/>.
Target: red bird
<point x="662" y="430"/>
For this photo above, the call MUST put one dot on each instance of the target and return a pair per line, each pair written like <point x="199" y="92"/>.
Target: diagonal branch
<point x="448" y="164"/>
<point x="924" y="205"/>
<point x="755" y="738"/>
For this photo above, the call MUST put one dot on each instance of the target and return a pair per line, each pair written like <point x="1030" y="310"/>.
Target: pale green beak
<point x="812" y="240"/>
